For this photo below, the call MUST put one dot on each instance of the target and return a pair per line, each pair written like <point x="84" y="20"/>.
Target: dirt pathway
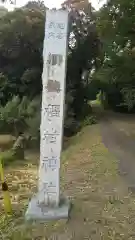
<point x="118" y="136"/>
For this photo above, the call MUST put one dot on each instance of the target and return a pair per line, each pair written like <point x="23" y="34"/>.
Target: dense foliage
<point x="116" y="21"/>
<point x="21" y="45"/>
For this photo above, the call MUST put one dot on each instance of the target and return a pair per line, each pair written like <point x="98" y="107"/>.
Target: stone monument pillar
<point x="48" y="204"/>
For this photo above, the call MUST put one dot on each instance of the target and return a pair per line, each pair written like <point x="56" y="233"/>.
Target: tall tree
<point x="116" y="22"/>
<point x="83" y="50"/>
<point x="21" y="40"/>
<point x="21" y="43"/>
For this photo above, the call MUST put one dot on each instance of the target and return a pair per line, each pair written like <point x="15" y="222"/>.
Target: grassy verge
<point x="102" y="207"/>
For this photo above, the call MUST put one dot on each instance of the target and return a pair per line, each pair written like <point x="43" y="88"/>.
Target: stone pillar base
<point x="44" y="213"/>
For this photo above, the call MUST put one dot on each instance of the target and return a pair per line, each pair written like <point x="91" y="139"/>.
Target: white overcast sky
<point x="52" y="3"/>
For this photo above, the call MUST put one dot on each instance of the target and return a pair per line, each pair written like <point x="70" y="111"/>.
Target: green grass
<point x="102" y="207"/>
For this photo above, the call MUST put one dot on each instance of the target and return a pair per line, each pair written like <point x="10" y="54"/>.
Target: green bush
<point x="128" y="94"/>
<point x="7" y="157"/>
<point x="90" y="120"/>
<point x="34" y="116"/>
<point x="33" y="131"/>
<point x="20" y="116"/>
<point x="13" y="114"/>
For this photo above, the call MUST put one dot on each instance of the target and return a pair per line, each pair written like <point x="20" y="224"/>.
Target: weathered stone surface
<point x="51" y="129"/>
<point x="37" y="212"/>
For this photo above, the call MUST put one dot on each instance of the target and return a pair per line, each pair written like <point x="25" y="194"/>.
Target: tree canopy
<point x="101" y="55"/>
<point x="115" y="23"/>
<point x="21" y="37"/>
<point x="21" y="45"/>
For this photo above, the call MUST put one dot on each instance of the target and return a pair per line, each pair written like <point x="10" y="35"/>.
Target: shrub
<point x="7" y="157"/>
<point x="128" y="94"/>
<point x="20" y="115"/>
<point x="12" y="115"/>
<point x="15" y="153"/>
<point x="89" y="120"/>
<point x="33" y="131"/>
